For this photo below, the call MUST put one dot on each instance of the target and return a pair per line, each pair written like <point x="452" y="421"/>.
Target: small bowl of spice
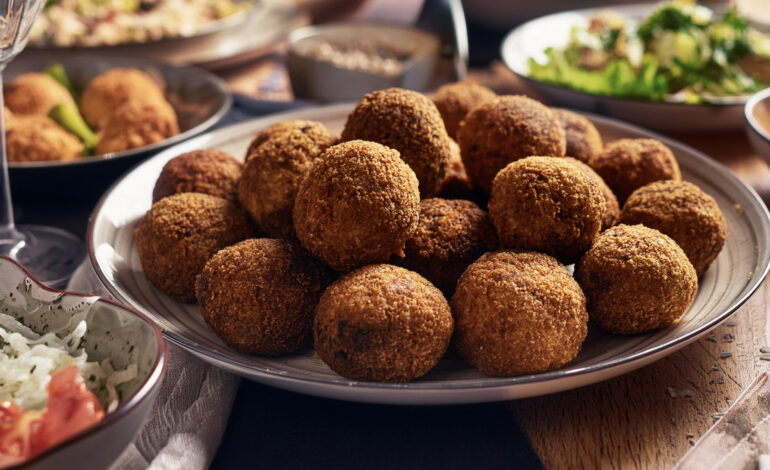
<point x="757" y="116"/>
<point x="343" y="61"/>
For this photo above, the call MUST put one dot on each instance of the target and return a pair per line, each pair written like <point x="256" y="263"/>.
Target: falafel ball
<point x="35" y="93"/>
<point x="271" y="179"/>
<point x="312" y="129"/>
<point x="518" y="313"/>
<point x="627" y="164"/>
<point x="136" y="124"/>
<point x="382" y="323"/>
<point x="546" y="204"/>
<point x="406" y="121"/>
<point x="455" y="100"/>
<point x="206" y="171"/>
<point x="451" y="234"/>
<point x="37" y="138"/>
<point x="504" y="130"/>
<point x="613" y="208"/>
<point x="106" y="92"/>
<point x="259" y="295"/>
<point x="685" y="213"/>
<point x="636" y="279"/>
<point x="583" y="139"/>
<point x="456" y="184"/>
<point x="180" y="233"/>
<point x="358" y="205"/>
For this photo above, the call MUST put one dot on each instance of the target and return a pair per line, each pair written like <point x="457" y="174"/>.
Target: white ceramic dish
<point x="531" y="39"/>
<point x="734" y="276"/>
<point x="115" y="332"/>
<point x="759" y="135"/>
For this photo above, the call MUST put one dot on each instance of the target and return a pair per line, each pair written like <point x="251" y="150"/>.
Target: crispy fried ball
<point x="382" y="323"/>
<point x="613" y="208"/>
<point x="456" y="184"/>
<point x="546" y="204"/>
<point x="685" y="213"/>
<point x="499" y="132"/>
<point x="200" y="171"/>
<point x="259" y="295"/>
<point x="451" y="234"/>
<point x="583" y="139"/>
<point x="314" y="130"/>
<point x="358" y="205"/>
<point x="180" y="233"/>
<point x="136" y="124"/>
<point x="108" y="91"/>
<point x="35" y="93"/>
<point x="636" y="279"/>
<point x="455" y="100"/>
<point x="627" y="164"/>
<point x="518" y="313"/>
<point x="408" y="122"/>
<point x="271" y="179"/>
<point x="36" y="138"/>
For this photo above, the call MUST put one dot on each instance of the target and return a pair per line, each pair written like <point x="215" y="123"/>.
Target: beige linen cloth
<point x="189" y="417"/>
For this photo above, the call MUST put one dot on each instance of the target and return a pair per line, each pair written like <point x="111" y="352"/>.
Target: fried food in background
<point x="358" y="205"/>
<point x="180" y="233"/>
<point x="271" y="179"/>
<point x="613" y="208"/>
<point x="636" y="279"/>
<point x="406" y="121"/>
<point x="37" y="138"/>
<point x="259" y="295"/>
<point x="455" y="100"/>
<point x="450" y="235"/>
<point x="108" y="91"/>
<point x="518" y="313"/>
<point x="316" y="131"/>
<point x="504" y="130"/>
<point x="35" y="94"/>
<point x="685" y="213"/>
<point x="628" y="164"/>
<point x="201" y="171"/>
<point x="382" y="323"/>
<point x="135" y="124"/>
<point x="546" y="204"/>
<point x="583" y="139"/>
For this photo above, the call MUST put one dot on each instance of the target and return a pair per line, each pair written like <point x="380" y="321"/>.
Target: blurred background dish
<point x="757" y="115"/>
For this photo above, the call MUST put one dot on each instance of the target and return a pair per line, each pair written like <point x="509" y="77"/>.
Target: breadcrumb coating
<point x="200" y="171"/>
<point x="455" y="100"/>
<point x="583" y="139"/>
<point x="35" y="93"/>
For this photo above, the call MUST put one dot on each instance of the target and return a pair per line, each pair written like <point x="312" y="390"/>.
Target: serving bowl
<point x="119" y="333"/>
<point x="756" y="114"/>
<point x="199" y="98"/>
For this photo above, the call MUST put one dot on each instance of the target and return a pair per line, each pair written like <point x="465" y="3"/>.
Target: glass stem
<point x="7" y="227"/>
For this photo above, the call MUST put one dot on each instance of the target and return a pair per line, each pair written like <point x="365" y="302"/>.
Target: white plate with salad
<point x="675" y="66"/>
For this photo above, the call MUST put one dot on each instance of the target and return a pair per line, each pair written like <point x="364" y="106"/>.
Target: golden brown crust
<point x="259" y="295"/>
<point x="135" y="124"/>
<point x="583" y="139"/>
<point x="180" y="233"/>
<point x="358" y="205"/>
<point x="636" y="279"/>
<point x="36" y="138"/>
<point x="200" y="171"/>
<point x="455" y="100"/>
<point x="546" y="204"/>
<point x="518" y="313"/>
<point x="456" y="184"/>
<point x="408" y="122"/>
<point x="382" y="323"/>
<point x="685" y="213"/>
<point x="271" y="179"/>
<point x="108" y="91"/>
<point x="450" y="235"/>
<point x="499" y="132"/>
<point x="314" y="130"/>
<point x="627" y="164"/>
<point x="613" y="208"/>
<point x="35" y="93"/>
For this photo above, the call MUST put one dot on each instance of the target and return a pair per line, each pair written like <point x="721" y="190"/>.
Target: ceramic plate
<point x="531" y="39"/>
<point x="734" y="276"/>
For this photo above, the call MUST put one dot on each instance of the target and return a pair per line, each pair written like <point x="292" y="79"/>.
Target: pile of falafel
<point x="382" y="246"/>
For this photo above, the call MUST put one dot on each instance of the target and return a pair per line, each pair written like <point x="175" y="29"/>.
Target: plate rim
<point x="489" y="384"/>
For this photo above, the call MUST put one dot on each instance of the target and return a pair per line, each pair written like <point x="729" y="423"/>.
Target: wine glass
<point x="49" y="253"/>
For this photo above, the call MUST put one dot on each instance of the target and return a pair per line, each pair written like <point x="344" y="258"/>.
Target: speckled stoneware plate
<point x="531" y="39"/>
<point x="115" y="332"/>
<point x="735" y="275"/>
